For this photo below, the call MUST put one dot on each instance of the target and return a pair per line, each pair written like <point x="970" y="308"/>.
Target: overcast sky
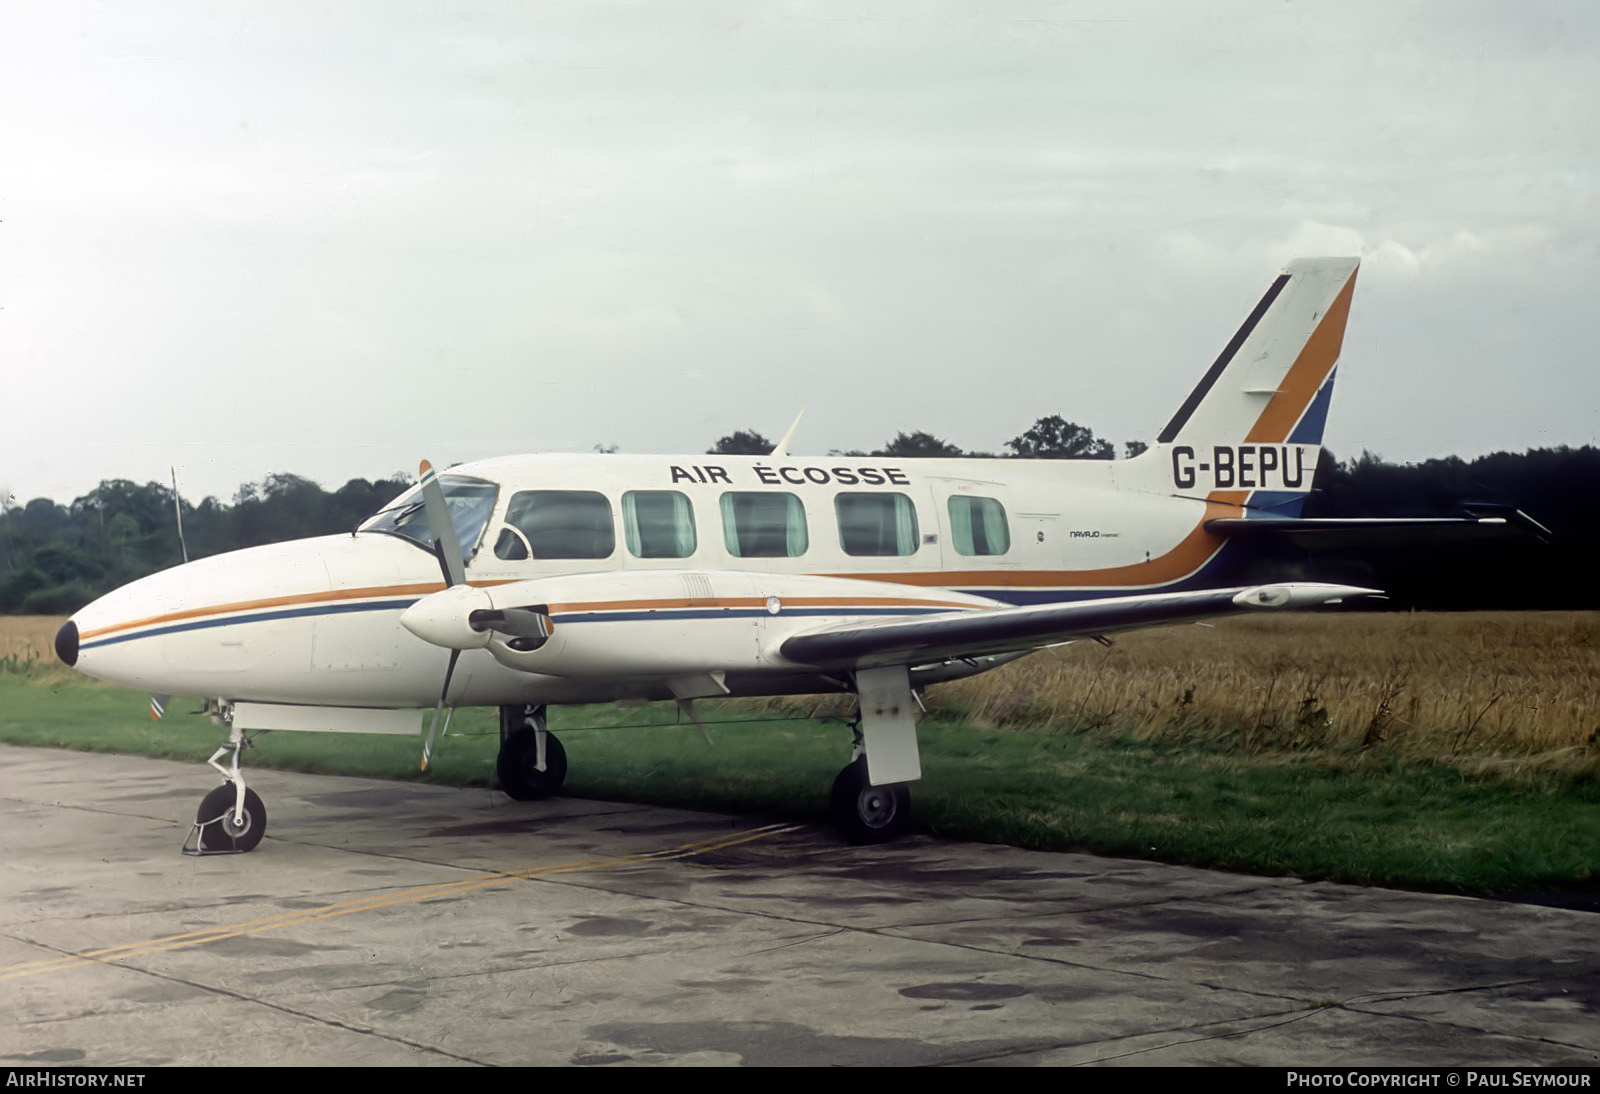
<point x="335" y="238"/>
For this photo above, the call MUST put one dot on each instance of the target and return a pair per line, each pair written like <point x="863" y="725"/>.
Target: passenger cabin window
<point x="978" y="526"/>
<point x="763" y="525"/>
<point x="876" y="524"/>
<point x="557" y="524"/>
<point x="658" y="524"/>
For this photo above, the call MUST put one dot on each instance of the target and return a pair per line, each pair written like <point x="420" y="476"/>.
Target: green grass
<point x="1336" y="814"/>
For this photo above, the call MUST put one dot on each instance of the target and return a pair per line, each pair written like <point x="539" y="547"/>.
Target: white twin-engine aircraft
<point x="591" y="578"/>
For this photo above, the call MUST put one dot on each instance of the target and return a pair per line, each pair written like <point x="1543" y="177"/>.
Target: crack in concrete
<point x="332" y="1023"/>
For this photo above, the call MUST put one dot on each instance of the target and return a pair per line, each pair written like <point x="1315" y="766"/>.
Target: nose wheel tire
<point x="220" y="831"/>
<point x="518" y="771"/>
<point x="867" y="813"/>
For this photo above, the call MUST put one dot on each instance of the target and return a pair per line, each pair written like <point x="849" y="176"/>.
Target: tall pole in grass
<point x="7" y="504"/>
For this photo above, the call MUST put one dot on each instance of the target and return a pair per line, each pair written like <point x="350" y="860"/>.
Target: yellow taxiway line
<point x="379" y="900"/>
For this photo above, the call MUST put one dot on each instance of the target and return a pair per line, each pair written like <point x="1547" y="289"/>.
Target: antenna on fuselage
<point x="177" y="508"/>
<point x="782" y="447"/>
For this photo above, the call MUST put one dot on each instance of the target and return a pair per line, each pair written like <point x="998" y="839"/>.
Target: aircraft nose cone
<point x="67" y="642"/>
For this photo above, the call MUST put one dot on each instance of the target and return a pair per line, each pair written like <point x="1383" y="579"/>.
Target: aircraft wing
<point x="985" y="631"/>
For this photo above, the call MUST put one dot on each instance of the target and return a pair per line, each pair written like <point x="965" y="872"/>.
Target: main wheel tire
<point x="516" y="770"/>
<point x="867" y="813"/>
<point x="218" y="829"/>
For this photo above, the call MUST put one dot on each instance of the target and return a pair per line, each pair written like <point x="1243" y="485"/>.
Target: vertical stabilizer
<point x="1254" y="422"/>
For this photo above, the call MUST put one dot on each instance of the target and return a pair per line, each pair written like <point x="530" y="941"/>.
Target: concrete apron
<point x="384" y="923"/>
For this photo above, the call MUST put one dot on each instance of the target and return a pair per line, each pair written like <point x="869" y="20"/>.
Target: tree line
<point x="56" y="558"/>
<point x="1050" y="438"/>
<point x="1554" y="486"/>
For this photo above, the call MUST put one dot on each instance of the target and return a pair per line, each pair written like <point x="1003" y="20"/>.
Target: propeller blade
<point x="687" y="706"/>
<point x="445" y="543"/>
<point x="449" y="671"/>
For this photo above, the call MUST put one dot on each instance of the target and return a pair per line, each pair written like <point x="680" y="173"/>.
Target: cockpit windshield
<point x="470" y="501"/>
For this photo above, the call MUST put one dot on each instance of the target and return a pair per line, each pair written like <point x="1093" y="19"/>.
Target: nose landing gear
<point x="231" y="819"/>
<point x="221" y="829"/>
<point x="532" y="764"/>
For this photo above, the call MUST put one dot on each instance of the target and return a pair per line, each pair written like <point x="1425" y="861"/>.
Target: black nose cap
<point x="67" y="642"/>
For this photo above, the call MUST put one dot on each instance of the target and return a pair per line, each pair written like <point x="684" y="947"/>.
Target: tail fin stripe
<point x="1199" y="393"/>
<point x="1309" y="429"/>
<point x="1305" y="378"/>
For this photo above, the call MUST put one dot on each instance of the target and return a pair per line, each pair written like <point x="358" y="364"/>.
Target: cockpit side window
<point x="557" y="524"/>
<point x="470" y="502"/>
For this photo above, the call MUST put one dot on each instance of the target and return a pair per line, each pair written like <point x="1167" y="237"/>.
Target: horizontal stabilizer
<point x="1334" y="532"/>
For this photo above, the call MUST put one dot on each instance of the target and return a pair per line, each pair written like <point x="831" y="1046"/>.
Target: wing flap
<point x="985" y="631"/>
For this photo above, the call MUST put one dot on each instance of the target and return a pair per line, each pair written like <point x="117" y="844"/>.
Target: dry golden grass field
<point x="1507" y="684"/>
<point x="1490" y="686"/>
<point x="26" y="638"/>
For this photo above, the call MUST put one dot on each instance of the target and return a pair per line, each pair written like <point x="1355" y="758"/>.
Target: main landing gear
<point x="532" y="764"/>
<point x="869" y="801"/>
<point x="231" y="819"/>
<point x="865" y="813"/>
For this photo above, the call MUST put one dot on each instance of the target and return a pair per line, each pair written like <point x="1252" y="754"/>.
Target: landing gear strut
<point x="869" y="800"/>
<point x="532" y="764"/>
<point x="231" y="819"/>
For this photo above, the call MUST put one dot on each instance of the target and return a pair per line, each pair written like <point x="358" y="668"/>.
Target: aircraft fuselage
<point x="317" y="621"/>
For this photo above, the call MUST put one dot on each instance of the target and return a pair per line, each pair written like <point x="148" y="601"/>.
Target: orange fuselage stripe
<point x="1192" y="552"/>
<point x="270" y="602"/>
